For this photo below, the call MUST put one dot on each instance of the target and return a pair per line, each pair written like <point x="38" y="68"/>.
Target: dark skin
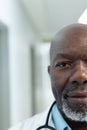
<point x="68" y="71"/>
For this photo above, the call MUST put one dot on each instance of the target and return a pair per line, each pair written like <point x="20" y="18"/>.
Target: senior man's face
<point x="68" y="72"/>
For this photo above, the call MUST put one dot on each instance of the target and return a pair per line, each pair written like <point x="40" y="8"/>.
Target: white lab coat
<point x="34" y="122"/>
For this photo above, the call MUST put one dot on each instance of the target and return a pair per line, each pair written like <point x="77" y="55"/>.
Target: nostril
<point x="75" y="82"/>
<point x="85" y="82"/>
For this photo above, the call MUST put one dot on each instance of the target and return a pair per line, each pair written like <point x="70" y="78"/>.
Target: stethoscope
<point x="47" y="120"/>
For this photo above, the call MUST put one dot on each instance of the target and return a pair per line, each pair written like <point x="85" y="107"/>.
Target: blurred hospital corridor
<point x="26" y="30"/>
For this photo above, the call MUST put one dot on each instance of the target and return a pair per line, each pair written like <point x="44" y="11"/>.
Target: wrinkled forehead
<point x="74" y="36"/>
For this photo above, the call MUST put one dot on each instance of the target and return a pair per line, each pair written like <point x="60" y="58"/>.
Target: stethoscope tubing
<point x="44" y="126"/>
<point x="47" y="120"/>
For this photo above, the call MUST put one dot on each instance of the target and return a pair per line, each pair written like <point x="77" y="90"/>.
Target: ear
<point x="49" y="69"/>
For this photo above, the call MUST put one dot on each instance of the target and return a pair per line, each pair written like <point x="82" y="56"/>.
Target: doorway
<point x="4" y="78"/>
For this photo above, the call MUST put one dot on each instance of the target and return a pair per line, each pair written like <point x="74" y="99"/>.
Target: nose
<point x="79" y="76"/>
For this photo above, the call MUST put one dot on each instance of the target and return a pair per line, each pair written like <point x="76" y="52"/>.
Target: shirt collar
<point x="58" y="120"/>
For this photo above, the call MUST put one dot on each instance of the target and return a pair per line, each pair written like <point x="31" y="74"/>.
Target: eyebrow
<point x="63" y="55"/>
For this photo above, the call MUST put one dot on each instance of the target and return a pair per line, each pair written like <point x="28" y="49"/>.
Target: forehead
<point x="73" y="38"/>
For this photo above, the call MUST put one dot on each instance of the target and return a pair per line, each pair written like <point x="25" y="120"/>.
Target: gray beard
<point x="73" y="115"/>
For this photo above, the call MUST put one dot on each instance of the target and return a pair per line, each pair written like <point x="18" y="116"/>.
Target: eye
<point x="63" y="65"/>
